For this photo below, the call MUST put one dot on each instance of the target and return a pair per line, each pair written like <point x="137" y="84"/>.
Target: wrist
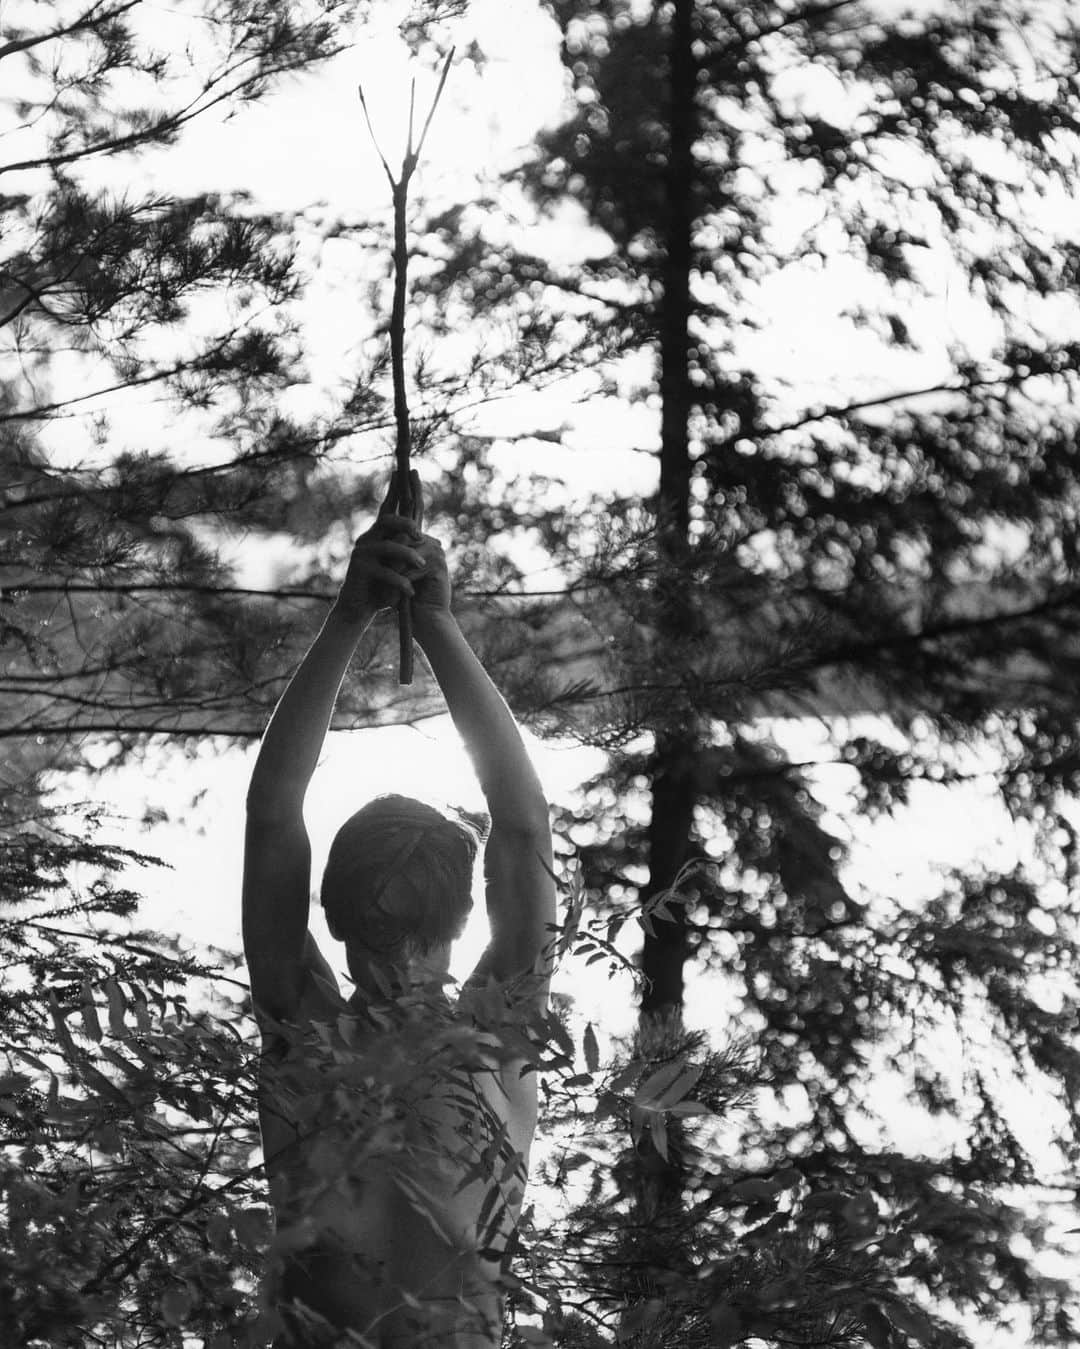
<point x="429" y="618"/>
<point x="354" y="616"/>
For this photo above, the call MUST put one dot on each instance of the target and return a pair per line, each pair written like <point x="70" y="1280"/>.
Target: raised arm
<point x="517" y="860"/>
<point x="277" y="854"/>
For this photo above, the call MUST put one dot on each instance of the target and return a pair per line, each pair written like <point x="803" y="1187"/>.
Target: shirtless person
<point x="395" y="1169"/>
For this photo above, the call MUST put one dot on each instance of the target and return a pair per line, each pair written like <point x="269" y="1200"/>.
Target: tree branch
<point x="88" y="21"/>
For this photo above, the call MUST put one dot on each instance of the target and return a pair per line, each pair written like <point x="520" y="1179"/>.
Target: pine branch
<point x="87" y="22"/>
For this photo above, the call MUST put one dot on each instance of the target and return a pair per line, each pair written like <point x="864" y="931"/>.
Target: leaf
<point x="91" y="1024"/>
<point x="683" y="1109"/>
<point x="67" y="1044"/>
<point x="912" y="1320"/>
<point x="606" y="1106"/>
<point x="658" y="1133"/>
<point x="591" y="1048"/>
<point x="558" y="1033"/>
<point x="117" y="1008"/>
<point x="667" y="1086"/>
<point x="489" y="1219"/>
<point x="754" y="1190"/>
<point x="33" y="1060"/>
<point x="142" y="1012"/>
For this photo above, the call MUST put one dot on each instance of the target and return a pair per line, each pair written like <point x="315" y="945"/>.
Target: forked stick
<point x="399" y="189"/>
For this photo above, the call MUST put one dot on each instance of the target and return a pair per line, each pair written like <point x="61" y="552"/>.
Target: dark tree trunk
<point x="665" y="954"/>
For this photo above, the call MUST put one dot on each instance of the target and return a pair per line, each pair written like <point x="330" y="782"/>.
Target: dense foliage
<point x="131" y="1192"/>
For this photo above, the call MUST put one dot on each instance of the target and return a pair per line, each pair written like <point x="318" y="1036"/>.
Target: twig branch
<point x="399" y="188"/>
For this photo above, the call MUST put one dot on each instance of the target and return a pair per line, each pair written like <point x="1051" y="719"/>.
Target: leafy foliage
<point x="131" y="1207"/>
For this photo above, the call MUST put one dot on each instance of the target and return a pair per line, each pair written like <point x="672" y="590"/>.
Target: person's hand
<point x="432" y="586"/>
<point x="385" y="561"/>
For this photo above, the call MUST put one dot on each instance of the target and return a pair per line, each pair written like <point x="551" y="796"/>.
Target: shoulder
<point x="508" y="1038"/>
<point x="318" y="1002"/>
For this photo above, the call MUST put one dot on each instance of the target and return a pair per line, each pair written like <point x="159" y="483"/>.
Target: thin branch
<point x="399" y="188"/>
<point x="371" y="133"/>
<point x="135" y="381"/>
<point x="12" y="590"/>
<point x="841" y="411"/>
<point x="434" y="105"/>
<point x="88" y="21"/>
<point x="172" y="121"/>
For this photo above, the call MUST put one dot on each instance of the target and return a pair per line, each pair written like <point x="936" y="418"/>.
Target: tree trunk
<point x="660" y="1179"/>
<point x="664" y="954"/>
<point x="671" y="774"/>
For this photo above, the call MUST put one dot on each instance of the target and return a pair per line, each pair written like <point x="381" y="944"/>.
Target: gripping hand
<point x="385" y="562"/>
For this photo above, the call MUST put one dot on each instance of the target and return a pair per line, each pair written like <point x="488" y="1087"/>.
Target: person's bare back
<point x="396" y="1127"/>
<point x="376" y="1233"/>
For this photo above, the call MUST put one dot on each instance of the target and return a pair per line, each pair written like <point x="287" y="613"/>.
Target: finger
<point x="394" y="579"/>
<point x="386" y="549"/>
<point x="397" y="524"/>
<point x="390" y="501"/>
<point x="417" y="498"/>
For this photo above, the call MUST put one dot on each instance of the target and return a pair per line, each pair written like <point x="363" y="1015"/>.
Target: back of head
<point x="398" y="880"/>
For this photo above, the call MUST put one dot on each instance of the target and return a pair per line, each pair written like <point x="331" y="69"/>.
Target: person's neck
<point x="376" y="984"/>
